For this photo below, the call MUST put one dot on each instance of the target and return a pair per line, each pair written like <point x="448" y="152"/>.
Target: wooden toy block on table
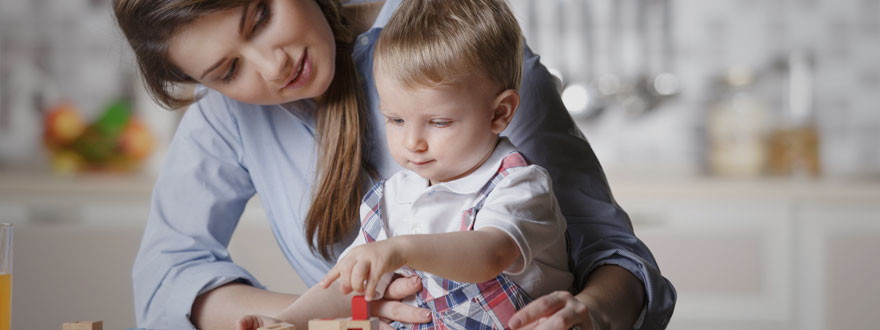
<point x="360" y="318"/>
<point x="83" y="325"/>
<point x="344" y="324"/>
<point x="279" y="326"/>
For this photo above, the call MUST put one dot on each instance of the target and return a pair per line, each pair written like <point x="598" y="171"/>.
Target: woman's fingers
<point x="395" y="310"/>
<point x="574" y="313"/>
<point x="542" y="307"/>
<point x="534" y="325"/>
<point x="249" y="322"/>
<point x="384" y="325"/>
<point x="252" y="322"/>
<point x="403" y="287"/>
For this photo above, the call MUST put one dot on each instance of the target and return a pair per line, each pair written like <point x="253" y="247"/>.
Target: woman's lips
<point x="302" y="74"/>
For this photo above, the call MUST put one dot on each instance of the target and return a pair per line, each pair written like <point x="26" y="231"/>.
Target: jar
<point x="737" y="126"/>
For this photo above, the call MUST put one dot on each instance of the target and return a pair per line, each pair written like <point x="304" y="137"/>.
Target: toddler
<point x="469" y="215"/>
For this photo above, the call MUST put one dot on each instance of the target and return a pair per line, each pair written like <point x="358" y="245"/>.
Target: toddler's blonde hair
<point x="429" y="43"/>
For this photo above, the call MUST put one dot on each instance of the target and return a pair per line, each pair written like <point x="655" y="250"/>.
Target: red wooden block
<point x="360" y="309"/>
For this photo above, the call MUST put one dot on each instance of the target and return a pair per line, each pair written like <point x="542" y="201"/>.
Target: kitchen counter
<point x="20" y="185"/>
<point x="700" y="187"/>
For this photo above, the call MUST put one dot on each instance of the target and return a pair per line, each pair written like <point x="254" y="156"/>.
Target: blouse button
<point x="364" y="40"/>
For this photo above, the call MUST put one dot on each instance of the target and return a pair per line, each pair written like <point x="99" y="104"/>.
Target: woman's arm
<point x="600" y="231"/>
<point x="197" y="200"/>
<point x="221" y="307"/>
<point x="318" y="302"/>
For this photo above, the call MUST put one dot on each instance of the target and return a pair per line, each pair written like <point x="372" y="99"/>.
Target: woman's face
<point x="269" y="52"/>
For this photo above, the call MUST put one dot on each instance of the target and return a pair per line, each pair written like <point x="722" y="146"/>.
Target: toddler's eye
<point x="440" y="123"/>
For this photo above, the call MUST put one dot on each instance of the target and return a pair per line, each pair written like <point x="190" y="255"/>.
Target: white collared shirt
<point x="522" y="205"/>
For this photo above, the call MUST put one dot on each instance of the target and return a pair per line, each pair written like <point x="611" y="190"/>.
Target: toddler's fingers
<point x="329" y="278"/>
<point x="358" y="274"/>
<point x="372" y="282"/>
<point x="345" y="279"/>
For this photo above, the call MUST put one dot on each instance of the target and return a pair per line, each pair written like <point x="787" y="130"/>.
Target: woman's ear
<point x="503" y="109"/>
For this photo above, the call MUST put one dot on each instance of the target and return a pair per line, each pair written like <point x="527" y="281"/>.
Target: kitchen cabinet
<point x="770" y="254"/>
<point x="743" y="254"/>
<point x="76" y="239"/>
<point x="839" y="242"/>
<point x="728" y="259"/>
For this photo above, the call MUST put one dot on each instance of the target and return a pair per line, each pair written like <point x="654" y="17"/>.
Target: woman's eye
<point x="263" y="13"/>
<point x="395" y="121"/>
<point x="233" y="68"/>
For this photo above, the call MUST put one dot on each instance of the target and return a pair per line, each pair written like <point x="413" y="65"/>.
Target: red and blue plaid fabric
<point x="457" y="305"/>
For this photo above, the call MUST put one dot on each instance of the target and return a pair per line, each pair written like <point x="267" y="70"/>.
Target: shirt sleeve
<point x="523" y="206"/>
<point x="198" y="198"/>
<point x="600" y="231"/>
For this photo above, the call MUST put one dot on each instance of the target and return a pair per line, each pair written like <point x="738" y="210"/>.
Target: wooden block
<point x="344" y="324"/>
<point x="332" y="324"/>
<point x="83" y="325"/>
<point x="279" y="326"/>
<point x="371" y="324"/>
<point x="360" y="308"/>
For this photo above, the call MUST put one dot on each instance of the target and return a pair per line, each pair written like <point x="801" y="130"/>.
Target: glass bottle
<point x="737" y="126"/>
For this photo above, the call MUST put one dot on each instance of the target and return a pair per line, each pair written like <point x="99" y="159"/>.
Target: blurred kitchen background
<point x="740" y="135"/>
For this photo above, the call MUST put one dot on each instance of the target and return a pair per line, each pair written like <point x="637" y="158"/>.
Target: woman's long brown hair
<point x="340" y="120"/>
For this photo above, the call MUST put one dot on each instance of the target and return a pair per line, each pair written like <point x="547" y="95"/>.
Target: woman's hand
<point x="365" y="264"/>
<point x="390" y="308"/>
<point x="558" y="310"/>
<point x="611" y="299"/>
<point x="253" y="322"/>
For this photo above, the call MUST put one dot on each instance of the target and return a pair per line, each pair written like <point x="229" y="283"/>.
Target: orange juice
<point x="5" y="301"/>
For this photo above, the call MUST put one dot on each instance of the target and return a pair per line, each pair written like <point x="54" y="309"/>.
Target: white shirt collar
<point x="412" y="185"/>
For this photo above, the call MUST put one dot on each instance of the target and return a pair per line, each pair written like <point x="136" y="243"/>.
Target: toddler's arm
<point x="469" y="256"/>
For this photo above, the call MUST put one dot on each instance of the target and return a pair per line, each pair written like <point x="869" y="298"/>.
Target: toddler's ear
<point x="504" y="107"/>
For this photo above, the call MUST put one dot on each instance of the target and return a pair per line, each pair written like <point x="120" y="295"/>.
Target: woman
<point x="288" y="110"/>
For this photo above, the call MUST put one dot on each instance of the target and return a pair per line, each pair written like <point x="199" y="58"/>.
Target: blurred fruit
<point x="114" y="119"/>
<point x="98" y="142"/>
<point x="66" y="162"/>
<point x="115" y="142"/>
<point x="136" y="141"/>
<point x="62" y="125"/>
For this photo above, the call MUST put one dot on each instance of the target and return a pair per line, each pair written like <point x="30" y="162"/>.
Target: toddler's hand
<point x="365" y="264"/>
<point x="253" y="322"/>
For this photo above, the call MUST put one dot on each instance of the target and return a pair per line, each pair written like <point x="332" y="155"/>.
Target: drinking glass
<point x="5" y="276"/>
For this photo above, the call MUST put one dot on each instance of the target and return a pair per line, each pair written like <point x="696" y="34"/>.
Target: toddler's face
<point x="441" y="133"/>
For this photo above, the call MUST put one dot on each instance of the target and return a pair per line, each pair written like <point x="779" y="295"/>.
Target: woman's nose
<point x="271" y="63"/>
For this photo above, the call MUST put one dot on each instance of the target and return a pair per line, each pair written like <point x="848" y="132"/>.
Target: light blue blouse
<point x="226" y="151"/>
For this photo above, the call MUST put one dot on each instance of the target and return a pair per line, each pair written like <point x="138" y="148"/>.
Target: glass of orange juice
<point x="5" y="276"/>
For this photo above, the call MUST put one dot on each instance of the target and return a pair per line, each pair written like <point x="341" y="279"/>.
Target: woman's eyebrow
<point x="216" y="65"/>
<point x="244" y="11"/>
